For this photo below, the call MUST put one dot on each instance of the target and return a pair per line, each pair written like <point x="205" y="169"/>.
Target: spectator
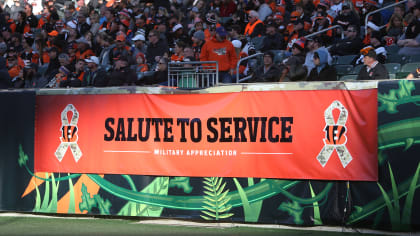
<point x="75" y="78"/>
<point x="410" y="41"/>
<point x="178" y="54"/>
<point x="273" y="40"/>
<point x="314" y="44"/>
<point x="30" y="17"/>
<point x="377" y="45"/>
<point x="5" y="80"/>
<point x="255" y="27"/>
<point x="121" y="49"/>
<point x="268" y="72"/>
<point x="53" y="64"/>
<point x="346" y="17"/>
<point x="122" y="74"/>
<point x="83" y="49"/>
<point x="221" y="50"/>
<point x="322" y="71"/>
<point x="156" y="49"/>
<point x="160" y="76"/>
<point x="263" y="8"/>
<point x="415" y="74"/>
<point x="292" y="68"/>
<point x="95" y="76"/>
<point x="139" y="45"/>
<point x="372" y="69"/>
<point x="28" y="77"/>
<point x="350" y="45"/>
<point x="394" y="29"/>
<point x="141" y="65"/>
<point x="189" y="52"/>
<point x="198" y="42"/>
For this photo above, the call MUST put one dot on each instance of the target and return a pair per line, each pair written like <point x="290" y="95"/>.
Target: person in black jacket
<point x="95" y="76"/>
<point x="269" y="72"/>
<point x="372" y="70"/>
<point x="157" y="48"/>
<point x="350" y="45"/>
<point x="322" y="71"/>
<point x="273" y="39"/>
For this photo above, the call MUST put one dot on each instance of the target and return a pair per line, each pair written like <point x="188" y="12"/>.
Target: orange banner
<point x="323" y="134"/>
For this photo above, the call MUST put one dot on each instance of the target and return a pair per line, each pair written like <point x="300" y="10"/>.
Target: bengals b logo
<point x="69" y="133"/>
<point x="334" y="135"/>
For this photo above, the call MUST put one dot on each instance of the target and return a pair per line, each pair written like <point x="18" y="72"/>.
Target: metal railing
<point x="239" y="63"/>
<point x="325" y="30"/>
<point x="381" y="9"/>
<point x="193" y="75"/>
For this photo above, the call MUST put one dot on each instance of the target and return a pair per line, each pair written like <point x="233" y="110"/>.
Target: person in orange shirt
<point x="13" y="66"/>
<point x="83" y="49"/>
<point x="178" y="52"/>
<point x="141" y="63"/>
<point x="221" y="50"/>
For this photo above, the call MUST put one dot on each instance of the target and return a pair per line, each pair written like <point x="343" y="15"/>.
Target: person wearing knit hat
<point x="268" y="72"/>
<point x="141" y="65"/>
<point x="293" y="69"/>
<point x="199" y="35"/>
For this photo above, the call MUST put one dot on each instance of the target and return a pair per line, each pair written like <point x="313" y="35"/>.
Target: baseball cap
<point x="221" y="31"/>
<point x="371" y="53"/>
<point x="139" y="37"/>
<point x="92" y="59"/>
<point x="236" y="43"/>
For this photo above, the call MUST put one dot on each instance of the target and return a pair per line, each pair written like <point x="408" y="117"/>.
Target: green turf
<point x="66" y="226"/>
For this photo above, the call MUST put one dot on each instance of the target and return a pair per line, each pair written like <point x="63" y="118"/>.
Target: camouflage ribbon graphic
<point x="69" y="134"/>
<point x="335" y="137"/>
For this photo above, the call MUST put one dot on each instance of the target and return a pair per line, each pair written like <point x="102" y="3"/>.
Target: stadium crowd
<point x="131" y="42"/>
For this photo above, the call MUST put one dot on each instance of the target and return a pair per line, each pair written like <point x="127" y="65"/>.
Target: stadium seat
<point x="258" y="42"/>
<point x="357" y="68"/>
<point x="392" y="49"/>
<point x="345" y="60"/>
<point x="410" y="67"/>
<point x="414" y="58"/>
<point x="401" y="75"/>
<point x="392" y="76"/>
<point x="393" y="67"/>
<point x="348" y="77"/>
<point x="395" y="58"/>
<point x="279" y="56"/>
<point x="344" y="69"/>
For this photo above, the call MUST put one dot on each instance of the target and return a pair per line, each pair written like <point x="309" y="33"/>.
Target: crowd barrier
<point x="52" y="161"/>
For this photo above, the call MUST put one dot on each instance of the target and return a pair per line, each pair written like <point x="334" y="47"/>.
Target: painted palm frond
<point x="158" y="186"/>
<point x="216" y="199"/>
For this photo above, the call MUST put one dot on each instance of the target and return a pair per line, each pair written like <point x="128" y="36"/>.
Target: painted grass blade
<point x="391" y="210"/>
<point x="406" y="216"/>
<point x="395" y="194"/>
<point x="317" y="214"/>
